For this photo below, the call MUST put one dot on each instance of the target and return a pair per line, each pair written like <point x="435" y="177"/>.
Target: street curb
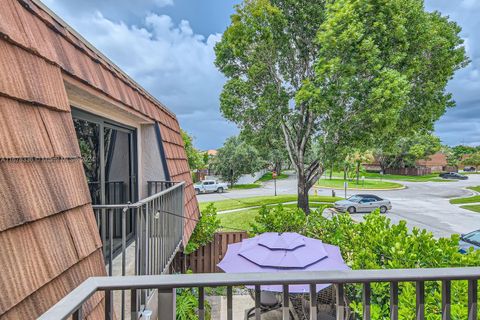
<point x="473" y="194"/>
<point x="355" y="189"/>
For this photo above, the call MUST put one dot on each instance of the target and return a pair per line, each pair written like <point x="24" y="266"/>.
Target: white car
<point x="363" y="203"/>
<point x="210" y="186"/>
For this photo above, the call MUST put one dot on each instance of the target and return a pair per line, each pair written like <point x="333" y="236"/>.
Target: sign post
<point x="274" y="177"/>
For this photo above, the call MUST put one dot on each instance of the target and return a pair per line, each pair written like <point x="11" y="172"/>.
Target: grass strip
<point x="231" y="204"/>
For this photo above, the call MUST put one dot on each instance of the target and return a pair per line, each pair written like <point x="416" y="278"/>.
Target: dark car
<point x="469" y="169"/>
<point x="453" y="175"/>
<point x="469" y="240"/>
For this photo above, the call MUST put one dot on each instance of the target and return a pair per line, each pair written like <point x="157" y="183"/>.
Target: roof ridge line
<point x="133" y="84"/>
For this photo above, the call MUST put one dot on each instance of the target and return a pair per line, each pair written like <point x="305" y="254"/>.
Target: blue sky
<point x="167" y="46"/>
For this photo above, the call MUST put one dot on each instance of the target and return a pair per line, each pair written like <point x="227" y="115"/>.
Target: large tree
<point x="348" y="71"/>
<point x="236" y="158"/>
<point x="268" y="141"/>
<point x="473" y="160"/>
<point x="405" y="151"/>
<point x="196" y="158"/>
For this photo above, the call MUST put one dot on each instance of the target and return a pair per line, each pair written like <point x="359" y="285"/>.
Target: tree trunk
<point x="358" y="173"/>
<point x="302" y="185"/>
<point x="278" y="167"/>
<point x="345" y="173"/>
<point x="331" y="171"/>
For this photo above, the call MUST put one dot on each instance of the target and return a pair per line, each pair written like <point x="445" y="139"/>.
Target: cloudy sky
<point x="167" y="46"/>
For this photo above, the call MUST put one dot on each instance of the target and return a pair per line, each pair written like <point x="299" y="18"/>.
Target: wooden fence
<point x="206" y="258"/>
<point x="409" y="171"/>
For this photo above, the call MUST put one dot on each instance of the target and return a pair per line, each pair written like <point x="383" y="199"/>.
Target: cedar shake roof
<point x="48" y="235"/>
<point x="435" y="160"/>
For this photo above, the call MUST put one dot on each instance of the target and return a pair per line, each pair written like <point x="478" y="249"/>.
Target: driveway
<point x="422" y="204"/>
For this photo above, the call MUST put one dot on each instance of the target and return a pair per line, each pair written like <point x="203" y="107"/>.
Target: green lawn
<point x="246" y="186"/>
<point x="374" y="175"/>
<point x="473" y="199"/>
<point x="429" y="177"/>
<point x="243" y="219"/>
<point x="477" y="188"/>
<point x="263" y="200"/>
<point x="474" y="208"/>
<point x="367" y="184"/>
<point x="268" y="176"/>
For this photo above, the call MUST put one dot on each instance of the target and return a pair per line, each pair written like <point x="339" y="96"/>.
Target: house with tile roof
<point x="76" y="132"/>
<point x="436" y="162"/>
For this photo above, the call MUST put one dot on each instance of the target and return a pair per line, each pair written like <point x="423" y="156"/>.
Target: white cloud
<point x="470" y="4"/>
<point x="171" y="62"/>
<point x="163" y="3"/>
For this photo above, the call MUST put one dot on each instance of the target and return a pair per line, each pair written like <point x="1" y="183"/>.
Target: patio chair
<point x="269" y="301"/>
<point x="326" y="305"/>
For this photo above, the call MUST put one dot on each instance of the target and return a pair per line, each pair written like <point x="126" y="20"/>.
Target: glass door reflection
<point x="108" y="151"/>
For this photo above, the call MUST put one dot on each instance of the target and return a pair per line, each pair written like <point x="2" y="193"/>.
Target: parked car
<point x="210" y="186"/>
<point x="469" y="169"/>
<point x="363" y="203"/>
<point x="469" y="240"/>
<point x="453" y="175"/>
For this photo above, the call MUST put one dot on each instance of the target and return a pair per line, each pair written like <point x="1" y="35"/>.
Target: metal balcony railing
<point x="71" y="305"/>
<point x="142" y="238"/>
<point x="157" y="186"/>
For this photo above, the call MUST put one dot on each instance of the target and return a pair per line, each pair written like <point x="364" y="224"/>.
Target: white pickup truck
<point x="210" y="186"/>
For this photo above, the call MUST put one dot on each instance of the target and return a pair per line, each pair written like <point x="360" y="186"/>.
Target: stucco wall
<point x="152" y="166"/>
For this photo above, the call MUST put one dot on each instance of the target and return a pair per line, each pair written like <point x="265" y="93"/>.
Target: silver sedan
<point x="363" y="203"/>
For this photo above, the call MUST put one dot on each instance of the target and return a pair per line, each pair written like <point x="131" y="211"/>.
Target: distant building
<point x="212" y="152"/>
<point x="436" y="162"/>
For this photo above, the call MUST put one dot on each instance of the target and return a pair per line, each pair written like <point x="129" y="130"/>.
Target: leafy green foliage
<point x="187" y="305"/>
<point x="235" y="159"/>
<point x="349" y="73"/>
<point x="266" y="53"/>
<point x="378" y="244"/>
<point x="473" y="160"/>
<point x="405" y="151"/>
<point x="279" y="219"/>
<point x="196" y="159"/>
<point x="204" y="230"/>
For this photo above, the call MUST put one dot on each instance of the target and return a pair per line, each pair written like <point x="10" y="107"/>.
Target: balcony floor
<point x="241" y="304"/>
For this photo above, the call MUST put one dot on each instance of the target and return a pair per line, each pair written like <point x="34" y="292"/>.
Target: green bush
<point x="204" y="230"/>
<point x="376" y="243"/>
<point x="187" y="305"/>
<point x="279" y="219"/>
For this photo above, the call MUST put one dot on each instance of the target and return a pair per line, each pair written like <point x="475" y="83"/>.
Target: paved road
<point x="421" y="204"/>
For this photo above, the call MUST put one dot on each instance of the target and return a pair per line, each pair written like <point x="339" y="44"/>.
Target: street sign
<point x="274" y="174"/>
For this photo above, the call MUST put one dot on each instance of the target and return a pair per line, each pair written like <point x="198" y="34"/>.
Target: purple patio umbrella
<point x="282" y="252"/>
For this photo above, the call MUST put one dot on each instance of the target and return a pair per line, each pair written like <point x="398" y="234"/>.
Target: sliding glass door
<point x="108" y="151"/>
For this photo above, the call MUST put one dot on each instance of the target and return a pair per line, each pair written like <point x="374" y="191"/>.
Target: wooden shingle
<point x="30" y="78"/>
<point x="48" y="236"/>
<point x="42" y="299"/>
<point x="37" y="189"/>
<point x="31" y="256"/>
